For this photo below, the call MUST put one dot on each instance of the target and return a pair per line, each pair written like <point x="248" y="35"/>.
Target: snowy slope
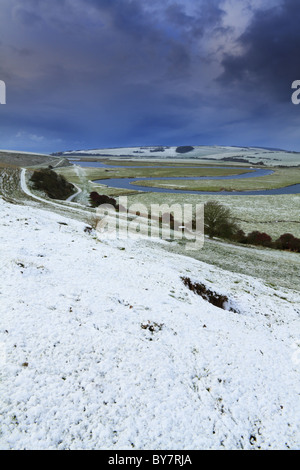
<point x="80" y="369"/>
<point x="205" y="154"/>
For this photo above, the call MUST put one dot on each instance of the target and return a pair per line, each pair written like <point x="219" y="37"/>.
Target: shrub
<point x="54" y="185"/>
<point x="97" y="200"/>
<point x="295" y="245"/>
<point x="240" y="236"/>
<point x="287" y="241"/>
<point x="259" y="238"/>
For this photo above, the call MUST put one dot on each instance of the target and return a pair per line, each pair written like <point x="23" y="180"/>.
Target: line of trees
<point x="219" y="222"/>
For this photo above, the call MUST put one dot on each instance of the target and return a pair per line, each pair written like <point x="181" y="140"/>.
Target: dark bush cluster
<point x="218" y="222"/>
<point x="97" y="200"/>
<point x="54" y="185"/>
<point x="287" y="241"/>
<point x="259" y="238"/>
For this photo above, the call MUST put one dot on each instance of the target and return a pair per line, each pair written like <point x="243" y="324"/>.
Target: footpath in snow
<point x="102" y="346"/>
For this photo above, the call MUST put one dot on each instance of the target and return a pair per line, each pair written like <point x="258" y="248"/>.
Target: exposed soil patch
<point x="218" y="300"/>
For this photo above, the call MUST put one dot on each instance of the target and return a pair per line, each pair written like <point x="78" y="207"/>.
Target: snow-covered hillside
<point x="103" y="347"/>
<point x="205" y="154"/>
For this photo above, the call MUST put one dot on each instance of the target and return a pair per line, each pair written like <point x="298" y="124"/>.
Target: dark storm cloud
<point x="26" y="17"/>
<point x="209" y="15"/>
<point x="113" y="62"/>
<point x="270" y="59"/>
<point x="117" y="72"/>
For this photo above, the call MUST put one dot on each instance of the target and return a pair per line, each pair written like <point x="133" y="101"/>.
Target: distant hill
<point x="19" y="159"/>
<point x="212" y="153"/>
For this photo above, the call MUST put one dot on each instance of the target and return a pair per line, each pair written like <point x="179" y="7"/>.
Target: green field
<point x="167" y="171"/>
<point x="276" y="268"/>
<point x="280" y="178"/>
<point x="274" y="215"/>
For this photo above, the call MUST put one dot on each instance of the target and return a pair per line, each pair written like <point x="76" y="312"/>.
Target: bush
<point x="54" y="185"/>
<point x="287" y="241"/>
<point x="97" y="200"/>
<point x="240" y="237"/>
<point x="295" y="245"/>
<point x="259" y="238"/>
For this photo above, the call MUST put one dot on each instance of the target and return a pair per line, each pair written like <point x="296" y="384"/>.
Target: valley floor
<point x="103" y="347"/>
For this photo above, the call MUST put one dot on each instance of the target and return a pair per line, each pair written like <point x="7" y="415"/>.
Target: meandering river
<point x="126" y="183"/>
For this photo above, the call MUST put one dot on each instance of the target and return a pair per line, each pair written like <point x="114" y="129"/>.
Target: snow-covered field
<point x="103" y="347"/>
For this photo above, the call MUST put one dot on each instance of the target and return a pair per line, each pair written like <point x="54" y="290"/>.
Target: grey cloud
<point x="27" y="17"/>
<point x="115" y="71"/>
<point x="269" y="61"/>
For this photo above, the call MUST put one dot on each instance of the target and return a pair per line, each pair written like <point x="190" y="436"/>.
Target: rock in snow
<point x="102" y="348"/>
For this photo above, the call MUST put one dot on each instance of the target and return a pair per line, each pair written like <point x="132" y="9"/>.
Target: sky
<point x="83" y="74"/>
